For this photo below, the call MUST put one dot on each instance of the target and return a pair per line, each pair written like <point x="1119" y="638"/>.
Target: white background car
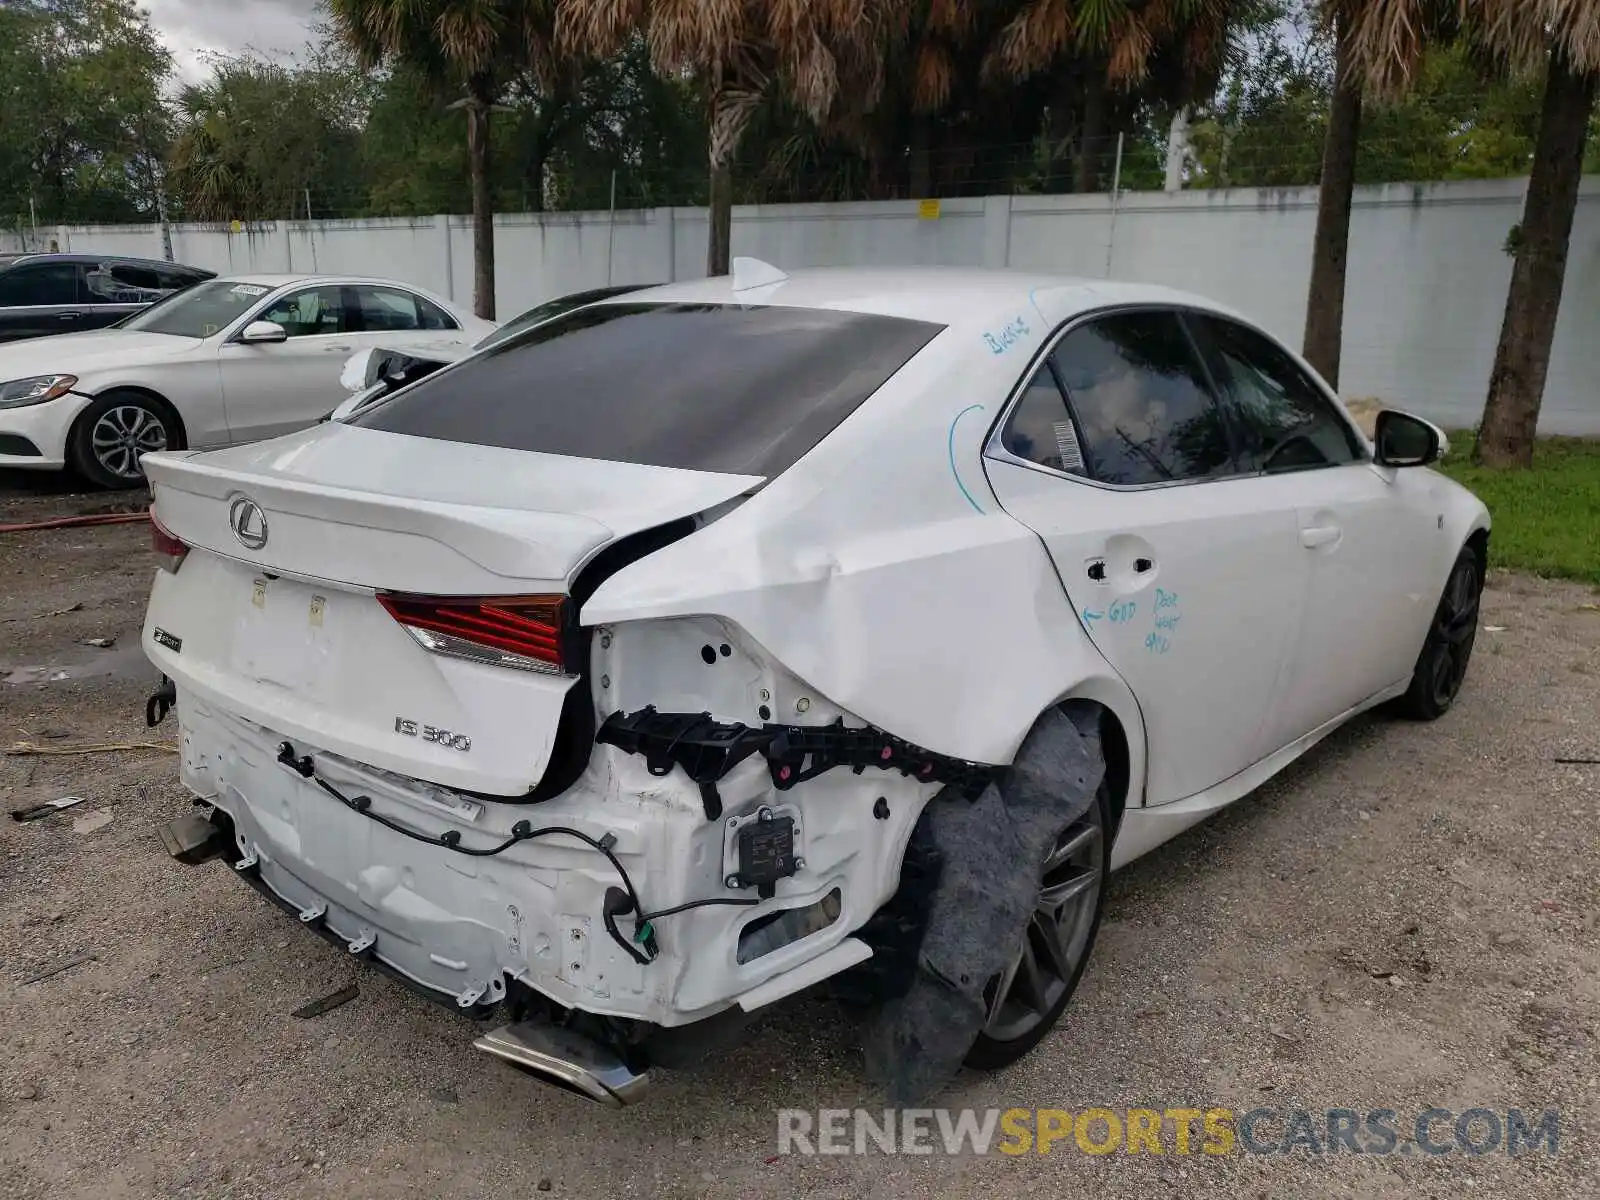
<point x="373" y="373"/>
<point x="815" y="556"/>
<point x="226" y="361"/>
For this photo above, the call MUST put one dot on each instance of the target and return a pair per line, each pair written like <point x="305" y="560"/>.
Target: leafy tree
<point x="743" y="51"/>
<point x="82" y="125"/>
<point x="253" y="139"/>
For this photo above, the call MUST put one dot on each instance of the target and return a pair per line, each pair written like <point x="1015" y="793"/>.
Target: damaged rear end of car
<point x="415" y="730"/>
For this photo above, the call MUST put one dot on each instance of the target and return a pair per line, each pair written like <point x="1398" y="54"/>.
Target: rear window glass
<point x="742" y="390"/>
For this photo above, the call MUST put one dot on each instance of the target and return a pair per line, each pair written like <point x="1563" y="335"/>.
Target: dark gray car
<point x="67" y="293"/>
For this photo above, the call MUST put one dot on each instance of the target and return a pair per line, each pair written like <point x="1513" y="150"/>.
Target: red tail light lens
<point x="521" y="632"/>
<point x="169" y="551"/>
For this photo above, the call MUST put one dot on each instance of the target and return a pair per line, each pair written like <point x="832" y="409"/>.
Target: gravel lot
<point x="1406" y="918"/>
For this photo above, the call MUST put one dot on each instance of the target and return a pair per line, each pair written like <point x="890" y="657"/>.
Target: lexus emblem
<point x="248" y="522"/>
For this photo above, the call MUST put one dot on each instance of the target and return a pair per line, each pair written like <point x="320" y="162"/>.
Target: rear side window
<point x="742" y="390"/>
<point x="41" y="283"/>
<point x="1040" y="428"/>
<point x="1145" y="412"/>
<point x="172" y="279"/>
<point x="434" y="317"/>
<point x="1285" y="423"/>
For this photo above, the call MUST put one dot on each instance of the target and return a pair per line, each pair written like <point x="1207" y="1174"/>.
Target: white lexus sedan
<point x="714" y="641"/>
<point x="225" y="361"/>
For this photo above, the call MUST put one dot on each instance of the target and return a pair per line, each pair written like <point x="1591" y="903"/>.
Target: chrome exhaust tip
<point x="566" y="1059"/>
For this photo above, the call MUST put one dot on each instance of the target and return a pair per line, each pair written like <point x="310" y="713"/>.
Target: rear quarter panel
<point x="881" y="570"/>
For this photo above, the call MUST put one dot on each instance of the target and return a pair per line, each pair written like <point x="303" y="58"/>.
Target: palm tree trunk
<point x="733" y="102"/>
<point x="480" y="97"/>
<point x="1533" y="302"/>
<point x="1330" y="249"/>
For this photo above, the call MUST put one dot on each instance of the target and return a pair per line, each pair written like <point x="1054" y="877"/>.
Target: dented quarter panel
<point x="882" y="572"/>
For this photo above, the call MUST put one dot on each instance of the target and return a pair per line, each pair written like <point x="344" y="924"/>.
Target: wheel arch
<point x="1478" y="542"/>
<point x="1122" y="739"/>
<point x="180" y="430"/>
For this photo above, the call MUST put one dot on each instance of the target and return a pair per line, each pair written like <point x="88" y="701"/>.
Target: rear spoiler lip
<point x="520" y="545"/>
<point x="489" y="537"/>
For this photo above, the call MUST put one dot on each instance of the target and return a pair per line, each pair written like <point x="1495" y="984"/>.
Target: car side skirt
<point x="1143" y="829"/>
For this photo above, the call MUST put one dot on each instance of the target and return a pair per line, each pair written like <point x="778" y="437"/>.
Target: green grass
<point x="1547" y="520"/>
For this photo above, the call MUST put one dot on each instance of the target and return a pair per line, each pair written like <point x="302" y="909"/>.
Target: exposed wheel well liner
<point x="1478" y="543"/>
<point x="1114" y="749"/>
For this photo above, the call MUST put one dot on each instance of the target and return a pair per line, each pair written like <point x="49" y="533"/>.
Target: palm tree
<point x="743" y="50"/>
<point x="478" y="45"/>
<point x="1088" y="62"/>
<point x="1331" y="244"/>
<point x="1561" y="38"/>
<point x="1117" y="46"/>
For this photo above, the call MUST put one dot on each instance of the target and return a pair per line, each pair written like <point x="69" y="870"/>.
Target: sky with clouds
<point x="190" y="28"/>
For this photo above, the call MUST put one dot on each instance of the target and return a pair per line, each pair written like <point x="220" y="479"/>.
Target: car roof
<point x="277" y="280"/>
<point x="12" y="258"/>
<point x="944" y="295"/>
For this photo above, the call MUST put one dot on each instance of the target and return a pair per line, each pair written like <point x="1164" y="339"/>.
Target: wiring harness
<point x="642" y="947"/>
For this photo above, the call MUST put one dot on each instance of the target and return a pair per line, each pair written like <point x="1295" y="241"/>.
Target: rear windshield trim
<point x="733" y="389"/>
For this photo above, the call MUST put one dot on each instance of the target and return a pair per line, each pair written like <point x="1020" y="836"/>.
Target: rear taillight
<point x="522" y="632"/>
<point x="169" y="551"/>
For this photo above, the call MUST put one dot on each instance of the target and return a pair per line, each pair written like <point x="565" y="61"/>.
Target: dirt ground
<point x="1406" y="918"/>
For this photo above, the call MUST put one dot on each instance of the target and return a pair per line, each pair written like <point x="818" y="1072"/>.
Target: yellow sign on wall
<point x="927" y="210"/>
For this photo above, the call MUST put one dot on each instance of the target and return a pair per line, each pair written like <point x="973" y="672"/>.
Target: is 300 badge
<point x="428" y="733"/>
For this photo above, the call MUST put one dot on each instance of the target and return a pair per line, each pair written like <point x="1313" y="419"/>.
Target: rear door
<point x="1372" y="546"/>
<point x="41" y="298"/>
<point x="1185" y="571"/>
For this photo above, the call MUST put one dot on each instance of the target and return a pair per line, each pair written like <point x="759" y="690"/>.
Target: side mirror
<point x="262" y="332"/>
<point x="1406" y="441"/>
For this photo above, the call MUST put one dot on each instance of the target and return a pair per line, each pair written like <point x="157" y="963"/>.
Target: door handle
<point x="68" y="316"/>
<point x="1313" y="536"/>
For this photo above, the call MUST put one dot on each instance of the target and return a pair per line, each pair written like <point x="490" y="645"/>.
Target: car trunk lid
<point x="282" y="618"/>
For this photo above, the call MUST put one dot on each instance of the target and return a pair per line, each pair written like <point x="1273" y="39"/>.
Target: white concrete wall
<point x="1425" y="297"/>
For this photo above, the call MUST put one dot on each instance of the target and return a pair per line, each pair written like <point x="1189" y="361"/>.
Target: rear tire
<point x="1028" y="998"/>
<point x="1442" y="665"/>
<point x="113" y="431"/>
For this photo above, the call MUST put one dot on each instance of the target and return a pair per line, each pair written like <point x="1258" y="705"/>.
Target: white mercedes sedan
<point x="226" y="361"/>
<point x="714" y="641"/>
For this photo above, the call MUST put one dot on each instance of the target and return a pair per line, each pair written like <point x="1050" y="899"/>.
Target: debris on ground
<point x="50" y="973"/>
<point x="101" y="643"/>
<point x="328" y="1003"/>
<point x="75" y="606"/>
<point x="31" y="750"/>
<point x="34" y="812"/>
<point x="90" y="822"/>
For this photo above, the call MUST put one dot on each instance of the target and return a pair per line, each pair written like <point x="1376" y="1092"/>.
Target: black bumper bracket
<point x="707" y="749"/>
